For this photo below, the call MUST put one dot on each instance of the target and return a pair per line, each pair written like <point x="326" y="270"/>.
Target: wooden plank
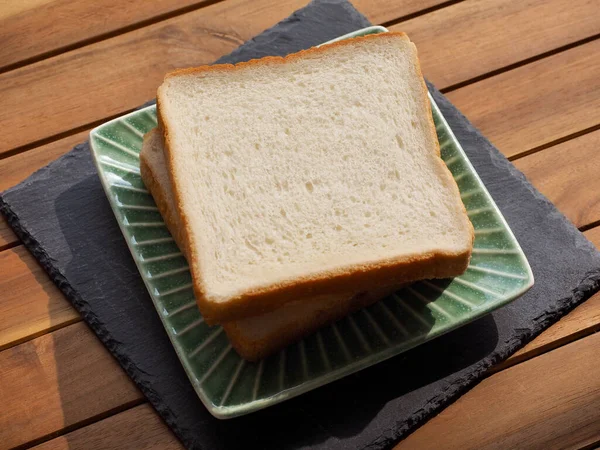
<point x="567" y="174"/>
<point x="594" y="236"/>
<point x="113" y="76"/>
<point x="7" y="236"/>
<point x="538" y="103"/>
<point x="57" y="381"/>
<point x="471" y="38"/>
<point x="140" y="428"/>
<point x="31" y="303"/>
<point x="26" y="36"/>
<point x="25" y="33"/>
<point x="547" y="402"/>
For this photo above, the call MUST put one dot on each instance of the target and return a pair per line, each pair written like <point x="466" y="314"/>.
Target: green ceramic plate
<point x="228" y="385"/>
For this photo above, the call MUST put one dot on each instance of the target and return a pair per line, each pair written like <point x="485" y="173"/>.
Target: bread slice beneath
<point x="255" y="337"/>
<point x="307" y="175"/>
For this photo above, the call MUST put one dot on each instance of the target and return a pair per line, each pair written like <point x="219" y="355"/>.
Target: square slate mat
<point x="63" y="217"/>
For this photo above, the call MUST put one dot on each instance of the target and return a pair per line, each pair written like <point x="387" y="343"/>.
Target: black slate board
<point x="63" y="217"/>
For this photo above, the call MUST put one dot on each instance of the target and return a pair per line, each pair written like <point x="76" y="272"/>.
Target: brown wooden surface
<point x="31" y="304"/>
<point x="495" y="34"/>
<point x="7" y="237"/>
<point x="112" y="87"/>
<point x="547" y="402"/>
<point x="25" y="33"/>
<point x="582" y="321"/>
<point x="538" y="103"/>
<point x="138" y="428"/>
<point x="525" y="72"/>
<point x="594" y="236"/>
<point x="568" y="174"/>
<point x="517" y="408"/>
<point x="57" y="380"/>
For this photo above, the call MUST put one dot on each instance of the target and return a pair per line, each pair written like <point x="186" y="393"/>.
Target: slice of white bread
<point x="307" y="175"/>
<point x="254" y="337"/>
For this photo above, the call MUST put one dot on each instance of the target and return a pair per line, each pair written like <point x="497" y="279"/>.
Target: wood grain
<point x="567" y="174"/>
<point x="7" y="236"/>
<point x="538" y="103"/>
<point x="139" y="428"/>
<point x="594" y="236"/>
<point x="472" y="38"/>
<point x="31" y="303"/>
<point x="113" y="76"/>
<point x="547" y="402"/>
<point x="25" y="33"/>
<point x="56" y="381"/>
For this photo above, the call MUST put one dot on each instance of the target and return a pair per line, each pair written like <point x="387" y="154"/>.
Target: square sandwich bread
<point x="305" y="187"/>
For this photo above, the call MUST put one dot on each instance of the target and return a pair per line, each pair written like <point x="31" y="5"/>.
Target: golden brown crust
<point x="356" y="278"/>
<point x="278" y="339"/>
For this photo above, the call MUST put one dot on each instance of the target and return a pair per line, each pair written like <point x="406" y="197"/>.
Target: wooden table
<point x="527" y="73"/>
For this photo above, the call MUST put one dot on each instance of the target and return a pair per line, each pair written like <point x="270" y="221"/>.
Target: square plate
<point x="230" y="386"/>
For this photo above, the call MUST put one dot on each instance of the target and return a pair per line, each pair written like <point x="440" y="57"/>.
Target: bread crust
<point x="358" y="277"/>
<point x="254" y="350"/>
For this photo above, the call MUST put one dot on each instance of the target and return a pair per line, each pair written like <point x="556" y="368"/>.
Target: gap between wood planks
<point x="137" y="428"/>
<point x="83" y="423"/>
<point x="518" y="64"/>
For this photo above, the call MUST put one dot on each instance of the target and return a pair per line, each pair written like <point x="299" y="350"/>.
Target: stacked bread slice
<point x="303" y="188"/>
